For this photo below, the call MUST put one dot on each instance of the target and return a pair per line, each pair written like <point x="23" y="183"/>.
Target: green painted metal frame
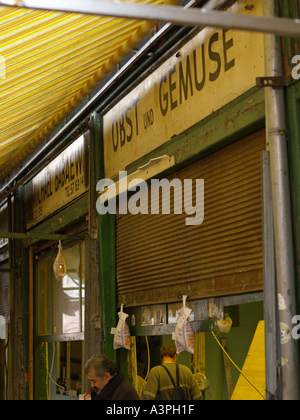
<point x="106" y="253"/>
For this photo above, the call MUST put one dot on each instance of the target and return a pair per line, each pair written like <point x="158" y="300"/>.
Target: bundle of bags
<point x="184" y="336"/>
<point x="122" y="333"/>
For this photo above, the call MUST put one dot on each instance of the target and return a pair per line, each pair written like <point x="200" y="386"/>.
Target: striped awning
<point x="49" y="62"/>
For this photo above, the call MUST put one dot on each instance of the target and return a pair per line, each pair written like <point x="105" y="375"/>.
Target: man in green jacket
<point x="160" y="386"/>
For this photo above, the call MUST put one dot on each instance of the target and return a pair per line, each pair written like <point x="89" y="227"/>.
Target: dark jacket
<point x="118" y="388"/>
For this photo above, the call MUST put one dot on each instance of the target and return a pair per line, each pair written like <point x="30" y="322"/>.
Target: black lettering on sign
<point x="199" y="85"/>
<point x="72" y="164"/>
<point x="148" y="118"/>
<point x="226" y="46"/>
<point x="129" y="122"/>
<point x="163" y="98"/>
<point x="172" y="86"/>
<point x="123" y="125"/>
<point x="214" y="56"/>
<point x="122" y="128"/>
<point x="185" y="82"/>
<point x="191" y="76"/>
<point x="115" y="134"/>
<point x="79" y="161"/>
<point x="44" y="188"/>
<point x="134" y="103"/>
<point x="68" y="167"/>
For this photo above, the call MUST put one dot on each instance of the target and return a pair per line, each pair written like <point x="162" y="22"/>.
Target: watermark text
<point x="296" y="69"/>
<point x="139" y="203"/>
<point x="296" y="329"/>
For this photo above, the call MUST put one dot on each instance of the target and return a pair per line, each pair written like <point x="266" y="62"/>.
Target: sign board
<point x="212" y="69"/>
<point x="59" y="183"/>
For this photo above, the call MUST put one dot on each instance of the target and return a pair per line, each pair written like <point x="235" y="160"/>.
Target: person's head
<point x="100" y="370"/>
<point x="168" y="353"/>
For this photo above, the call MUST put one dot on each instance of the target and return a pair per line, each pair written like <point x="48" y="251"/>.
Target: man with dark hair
<point x="107" y="381"/>
<point x="171" y="381"/>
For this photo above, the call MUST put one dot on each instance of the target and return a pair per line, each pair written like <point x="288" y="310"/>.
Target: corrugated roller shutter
<point x="4" y="293"/>
<point x="160" y="258"/>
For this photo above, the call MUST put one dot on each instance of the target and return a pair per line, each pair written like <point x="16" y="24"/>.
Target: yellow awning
<point x="49" y="62"/>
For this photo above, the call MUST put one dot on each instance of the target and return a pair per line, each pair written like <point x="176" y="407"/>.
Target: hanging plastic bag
<point x="225" y="324"/>
<point x="122" y="333"/>
<point x="184" y="336"/>
<point x="59" y="266"/>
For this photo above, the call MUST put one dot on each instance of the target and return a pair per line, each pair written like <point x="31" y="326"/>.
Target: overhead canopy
<point x="49" y="62"/>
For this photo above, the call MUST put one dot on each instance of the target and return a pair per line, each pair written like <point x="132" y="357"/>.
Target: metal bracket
<point x="97" y="323"/>
<point x="94" y="233"/>
<point x="270" y="81"/>
<point x="275" y="82"/>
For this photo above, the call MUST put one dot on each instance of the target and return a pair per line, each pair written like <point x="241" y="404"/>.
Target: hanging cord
<point x="214" y="335"/>
<point x="50" y="374"/>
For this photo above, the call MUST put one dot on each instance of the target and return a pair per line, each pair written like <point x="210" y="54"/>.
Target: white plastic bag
<point x="122" y="333"/>
<point x="184" y="336"/>
<point x="59" y="266"/>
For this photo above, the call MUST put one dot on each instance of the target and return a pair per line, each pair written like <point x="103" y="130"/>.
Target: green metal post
<point x="106" y="252"/>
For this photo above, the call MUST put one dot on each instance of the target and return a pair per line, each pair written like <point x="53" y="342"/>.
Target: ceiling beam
<point x="175" y="14"/>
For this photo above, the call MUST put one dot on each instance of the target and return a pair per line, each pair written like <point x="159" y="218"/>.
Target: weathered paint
<point x="40" y="372"/>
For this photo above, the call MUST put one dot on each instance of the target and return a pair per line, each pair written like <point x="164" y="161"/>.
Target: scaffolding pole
<point x="175" y="14"/>
<point x="281" y="196"/>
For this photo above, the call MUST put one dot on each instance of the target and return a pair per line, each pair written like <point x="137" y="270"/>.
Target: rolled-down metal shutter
<point x="160" y="258"/>
<point x="4" y="293"/>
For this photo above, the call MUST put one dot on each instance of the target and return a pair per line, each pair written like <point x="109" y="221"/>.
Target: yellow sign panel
<point x="211" y="70"/>
<point x="63" y="180"/>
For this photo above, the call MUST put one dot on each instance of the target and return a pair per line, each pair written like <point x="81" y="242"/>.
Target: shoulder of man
<point x="187" y="374"/>
<point x="126" y="391"/>
<point x="185" y="369"/>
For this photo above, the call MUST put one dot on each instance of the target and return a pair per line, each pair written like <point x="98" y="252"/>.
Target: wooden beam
<point x="41" y="236"/>
<point x="227" y="365"/>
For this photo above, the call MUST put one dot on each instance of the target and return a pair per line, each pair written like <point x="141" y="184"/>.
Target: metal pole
<point x="270" y="289"/>
<point x="281" y="196"/>
<point x="175" y="14"/>
<point x="213" y="4"/>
